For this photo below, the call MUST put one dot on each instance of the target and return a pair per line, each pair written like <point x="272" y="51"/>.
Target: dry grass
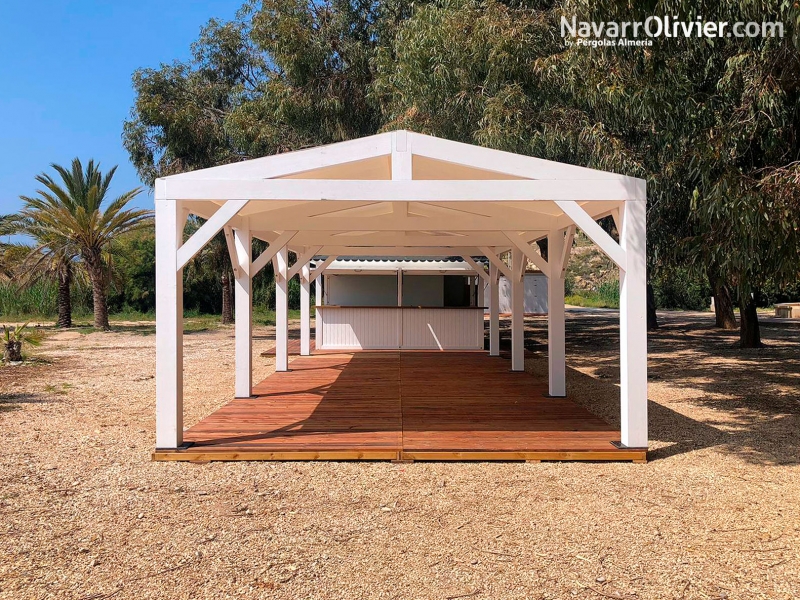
<point x="715" y="514"/>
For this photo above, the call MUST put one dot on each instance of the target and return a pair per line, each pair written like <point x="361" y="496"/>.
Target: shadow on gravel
<point x="9" y="402"/>
<point x="756" y="393"/>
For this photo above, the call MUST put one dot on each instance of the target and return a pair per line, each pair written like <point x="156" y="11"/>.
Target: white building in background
<point x="406" y="303"/>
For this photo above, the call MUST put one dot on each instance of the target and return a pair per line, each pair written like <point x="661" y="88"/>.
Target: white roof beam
<point x="316" y="190"/>
<point x="502" y="162"/>
<point x="290" y="163"/>
<point x="400" y="251"/>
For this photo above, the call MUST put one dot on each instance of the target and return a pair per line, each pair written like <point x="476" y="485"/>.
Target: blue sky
<point x="65" y="80"/>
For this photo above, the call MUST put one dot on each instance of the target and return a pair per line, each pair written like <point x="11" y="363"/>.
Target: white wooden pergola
<point x="399" y="194"/>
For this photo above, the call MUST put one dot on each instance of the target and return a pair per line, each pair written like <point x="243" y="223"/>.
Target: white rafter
<point x="478" y="268"/>
<point x="302" y="261"/>
<point x="495" y="260"/>
<point x="594" y="232"/>
<point x="529" y="252"/>
<point x="208" y="230"/>
<point x="320" y="268"/>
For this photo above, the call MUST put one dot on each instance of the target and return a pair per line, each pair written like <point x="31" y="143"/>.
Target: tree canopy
<point x="711" y="123"/>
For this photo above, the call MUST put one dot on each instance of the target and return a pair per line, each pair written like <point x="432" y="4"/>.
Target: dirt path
<point x="84" y="514"/>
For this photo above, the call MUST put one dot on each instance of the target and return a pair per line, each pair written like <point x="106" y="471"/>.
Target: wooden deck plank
<point x="393" y="405"/>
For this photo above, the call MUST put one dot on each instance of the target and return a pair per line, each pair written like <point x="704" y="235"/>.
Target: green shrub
<point x="682" y="290"/>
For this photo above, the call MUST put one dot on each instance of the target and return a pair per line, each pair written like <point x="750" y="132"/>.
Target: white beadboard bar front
<point x="406" y="328"/>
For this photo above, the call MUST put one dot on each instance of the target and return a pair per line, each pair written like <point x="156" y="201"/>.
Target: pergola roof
<point x="399" y="194"/>
<point x="425" y="196"/>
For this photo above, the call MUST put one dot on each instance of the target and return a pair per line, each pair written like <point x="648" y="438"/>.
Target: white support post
<point x="399" y="287"/>
<point x="556" y="350"/>
<point x="305" y="310"/>
<point x="282" y="310"/>
<point x="494" y="311"/>
<point x="317" y="317"/>
<point x="633" y="326"/>
<point x="517" y="310"/>
<point x="471" y="290"/>
<point x="243" y="299"/>
<point x="169" y="325"/>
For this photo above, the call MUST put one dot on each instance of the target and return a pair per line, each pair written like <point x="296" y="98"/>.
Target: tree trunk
<point x="94" y="264"/>
<point x="723" y="303"/>
<point x="13" y="351"/>
<point x="749" y="332"/>
<point x="227" y="304"/>
<point x="652" y="317"/>
<point x="542" y="247"/>
<point x="64" y="299"/>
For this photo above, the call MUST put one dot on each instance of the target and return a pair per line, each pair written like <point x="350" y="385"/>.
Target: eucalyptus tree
<point x="478" y="71"/>
<point x="285" y="74"/>
<point x="714" y="124"/>
<point x="76" y="213"/>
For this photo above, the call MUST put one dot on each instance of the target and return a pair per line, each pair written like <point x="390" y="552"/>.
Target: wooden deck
<point x="401" y="406"/>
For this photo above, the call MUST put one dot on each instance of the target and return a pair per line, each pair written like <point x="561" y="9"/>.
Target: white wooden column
<point x="494" y="311"/>
<point x="282" y="310"/>
<point x="517" y="310"/>
<point x="305" y="310"/>
<point x="318" y="342"/>
<point x="555" y="316"/>
<point x="169" y="325"/>
<point x="399" y="287"/>
<point x="633" y="326"/>
<point x="243" y="301"/>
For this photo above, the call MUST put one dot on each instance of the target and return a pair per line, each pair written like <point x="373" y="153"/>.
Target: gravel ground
<point x="85" y="514"/>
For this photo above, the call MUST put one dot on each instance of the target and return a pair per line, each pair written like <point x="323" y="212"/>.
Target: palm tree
<point x="73" y="210"/>
<point x="50" y="257"/>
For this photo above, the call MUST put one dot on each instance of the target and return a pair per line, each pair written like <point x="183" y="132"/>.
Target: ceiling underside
<point x="403" y="228"/>
<point x="328" y="222"/>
